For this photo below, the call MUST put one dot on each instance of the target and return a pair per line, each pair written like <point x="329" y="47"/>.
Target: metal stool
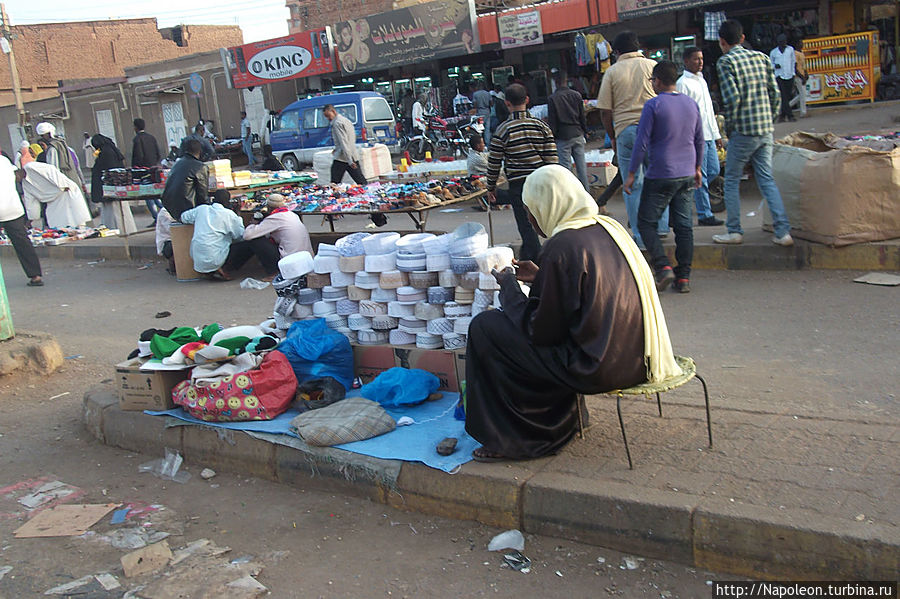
<point x="688" y="371"/>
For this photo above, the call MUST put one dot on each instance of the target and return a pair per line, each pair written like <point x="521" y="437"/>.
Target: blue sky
<point x="259" y="19"/>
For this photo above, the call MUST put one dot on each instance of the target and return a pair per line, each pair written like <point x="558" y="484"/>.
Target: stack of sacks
<point x="384" y="288"/>
<point x="295" y="300"/>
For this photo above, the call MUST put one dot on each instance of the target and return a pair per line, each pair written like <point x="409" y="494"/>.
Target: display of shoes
<point x="729" y="238"/>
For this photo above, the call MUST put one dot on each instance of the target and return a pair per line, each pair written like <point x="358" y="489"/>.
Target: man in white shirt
<point x="785" y="62"/>
<point x="15" y="223"/>
<point x="247" y="138"/>
<point x="216" y="227"/>
<point x="693" y="85"/>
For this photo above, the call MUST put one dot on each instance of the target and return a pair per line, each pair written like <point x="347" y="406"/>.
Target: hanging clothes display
<point x="582" y="54"/>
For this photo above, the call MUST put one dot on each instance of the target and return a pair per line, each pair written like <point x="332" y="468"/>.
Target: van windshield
<point x="377" y="109"/>
<point x="287" y="120"/>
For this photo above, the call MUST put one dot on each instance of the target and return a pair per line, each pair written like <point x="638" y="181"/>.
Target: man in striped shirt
<point x="521" y="145"/>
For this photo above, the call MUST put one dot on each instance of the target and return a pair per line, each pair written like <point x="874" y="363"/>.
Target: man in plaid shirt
<point x="750" y="97"/>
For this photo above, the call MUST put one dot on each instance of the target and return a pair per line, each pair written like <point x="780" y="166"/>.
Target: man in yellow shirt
<point x="801" y="77"/>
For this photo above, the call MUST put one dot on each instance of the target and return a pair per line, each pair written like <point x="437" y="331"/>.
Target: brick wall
<point x="47" y="53"/>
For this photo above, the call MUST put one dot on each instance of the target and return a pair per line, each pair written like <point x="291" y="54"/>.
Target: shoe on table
<point x="710" y="221"/>
<point x="682" y="286"/>
<point x="785" y="240"/>
<point x="729" y="238"/>
<point x="664" y="278"/>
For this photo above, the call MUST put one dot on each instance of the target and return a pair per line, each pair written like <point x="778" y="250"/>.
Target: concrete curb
<point x="30" y="351"/>
<point x="707" y="256"/>
<point x="715" y="535"/>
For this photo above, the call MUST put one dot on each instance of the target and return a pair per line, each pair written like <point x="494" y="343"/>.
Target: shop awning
<point x="556" y="17"/>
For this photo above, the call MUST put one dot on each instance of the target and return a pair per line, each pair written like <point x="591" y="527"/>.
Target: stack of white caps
<point x="356" y="322"/>
<point x="370" y="308"/>
<point x="455" y="310"/>
<point x="439" y="326"/>
<point x="349" y="334"/>
<point x="380" y="243"/>
<point x="381" y="262"/>
<point x="352" y="245"/>
<point x="437" y="257"/>
<point x="366" y="280"/>
<point x="464" y="296"/>
<point x="470" y="280"/>
<point x="483" y="299"/>
<point x="345" y="307"/>
<point x="411" y="262"/>
<point x="284" y="305"/>
<point x="308" y="297"/>
<point x="324" y="308"/>
<point x="454" y="341"/>
<point x="463" y="264"/>
<point x="426" y="311"/>
<point x="342" y="279"/>
<point x="437" y="262"/>
<point x="487" y="282"/>
<point x="333" y="294"/>
<point x="423" y="280"/>
<point x="283" y="322"/>
<point x="358" y="293"/>
<point x="448" y="278"/>
<point x="302" y="311"/>
<point x="370" y="337"/>
<point x="295" y="265"/>
<point x="461" y="325"/>
<point x="429" y="341"/>
<point x="327" y="259"/>
<point x="440" y="295"/>
<point x="335" y="321"/>
<point x="351" y="264"/>
<point x="393" y="279"/>
<point x="413" y="243"/>
<point x="468" y="239"/>
<point x="399" y="310"/>
<point x="384" y="295"/>
<point x="398" y="337"/>
<point x="384" y="323"/>
<point x="494" y="258"/>
<point x="412" y="325"/>
<point x="410" y="295"/>
<point x="318" y="280"/>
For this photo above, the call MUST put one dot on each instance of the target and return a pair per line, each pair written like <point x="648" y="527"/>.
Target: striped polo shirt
<point x="521" y="145"/>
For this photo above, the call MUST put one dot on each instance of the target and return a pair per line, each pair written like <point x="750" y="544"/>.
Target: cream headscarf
<point x="558" y="201"/>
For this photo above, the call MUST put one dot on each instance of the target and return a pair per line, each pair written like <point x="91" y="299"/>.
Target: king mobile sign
<point x="299" y="55"/>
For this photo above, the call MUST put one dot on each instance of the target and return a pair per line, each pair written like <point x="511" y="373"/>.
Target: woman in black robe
<point x="109" y="157"/>
<point x="581" y="329"/>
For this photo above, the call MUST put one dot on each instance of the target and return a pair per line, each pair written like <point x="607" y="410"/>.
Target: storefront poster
<point x="629" y="9"/>
<point x="520" y="29"/>
<point x="418" y="33"/>
<point x="299" y="55"/>
<point x="839" y="86"/>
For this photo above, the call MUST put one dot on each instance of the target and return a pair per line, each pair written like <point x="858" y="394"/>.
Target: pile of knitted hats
<point x="420" y="289"/>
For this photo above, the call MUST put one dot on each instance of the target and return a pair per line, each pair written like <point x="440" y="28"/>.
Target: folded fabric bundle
<point x="351" y="419"/>
<point x="440" y="295"/>
<point x="498" y="258"/>
<point x="370" y="308"/>
<point x="358" y="293"/>
<point x="295" y="265"/>
<point x="332" y="293"/>
<point x="437" y="262"/>
<point x="352" y="264"/>
<point x="352" y="245"/>
<point x="345" y="307"/>
<point x="422" y="280"/>
<point x="380" y="243"/>
<point x="448" y="278"/>
<point x="393" y="279"/>
<point x="318" y="280"/>
<point x="429" y="341"/>
<point x="426" y="311"/>
<point x="342" y="279"/>
<point x="381" y="262"/>
<point x="367" y="280"/>
<point x="247" y="331"/>
<point x="412" y="243"/>
<point x="163" y="347"/>
<point x="384" y="295"/>
<point x="372" y="337"/>
<point x="399" y="310"/>
<point x="357" y="322"/>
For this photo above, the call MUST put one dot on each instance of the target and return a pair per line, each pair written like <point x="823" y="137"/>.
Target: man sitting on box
<point x="279" y="234"/>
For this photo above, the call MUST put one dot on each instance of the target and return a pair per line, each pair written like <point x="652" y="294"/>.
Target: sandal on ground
<point x="483" y="455"/>
<point x="36" y="282"/>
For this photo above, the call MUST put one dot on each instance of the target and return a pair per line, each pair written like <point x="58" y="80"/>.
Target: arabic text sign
<point x="839" y="86"/>
<point x="520" y="29"/>
<point x="299" y="55"/>
<point x="409" y="35"/>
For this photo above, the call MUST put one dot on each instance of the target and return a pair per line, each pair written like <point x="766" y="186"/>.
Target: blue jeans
<point x="568" y="150"/>
<point x="658" y="195"/>
<point x="756" y="149"/>
<point x="624" y="148"/>
<point x="247" y="146"/>
<point x="153" y="206"/>
<point x="710" y="169"/>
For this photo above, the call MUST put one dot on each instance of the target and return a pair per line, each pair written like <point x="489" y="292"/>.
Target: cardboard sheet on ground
<point x="64" y="520"/>
<point x="434" y="421"/>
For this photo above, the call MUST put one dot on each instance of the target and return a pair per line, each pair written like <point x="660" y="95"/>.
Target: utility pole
<point x="6" y="44"/>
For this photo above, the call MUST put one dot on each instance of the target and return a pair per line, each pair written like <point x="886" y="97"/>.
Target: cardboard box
<point x="372" y="360"/>
<point x="146" y="390"/>
<point x="600" y="175"/>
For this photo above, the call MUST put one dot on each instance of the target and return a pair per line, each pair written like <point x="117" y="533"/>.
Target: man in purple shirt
<point x="670" y="134"/>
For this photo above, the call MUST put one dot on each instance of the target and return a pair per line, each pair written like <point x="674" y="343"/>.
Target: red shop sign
<point x="298" y="55"/>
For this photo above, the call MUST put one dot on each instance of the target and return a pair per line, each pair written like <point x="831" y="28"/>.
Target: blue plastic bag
<point x="315" y="351"/>
<point x="401" y="387"/>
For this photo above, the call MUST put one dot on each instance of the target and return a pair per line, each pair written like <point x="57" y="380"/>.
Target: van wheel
<point x="290" y="162"/>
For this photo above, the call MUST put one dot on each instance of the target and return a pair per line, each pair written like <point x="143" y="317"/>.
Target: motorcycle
<point x="446" y="136"/>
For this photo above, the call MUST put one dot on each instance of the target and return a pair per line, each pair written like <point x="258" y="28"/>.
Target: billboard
<point x="520" y="29"/>
<point x="629" y="9"/>
<point x="298" y="55"/>
<point x="408" y="35"/>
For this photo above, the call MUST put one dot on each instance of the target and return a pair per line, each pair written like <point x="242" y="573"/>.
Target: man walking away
<point x="15" y="224"/>
<point x="346" y="155"/>
<point x="624" y="90"/>
<point x="207" y="152"/>
<point x="521" y="145"/>
<point x="482" y="101"/>
<point x="749" y="98"/>
<point x="671" y="133"/>
<point x="565" y="113"/>
<point x="693" y="85"/>
<point x="188" y="182"/>
<point x="785" y="62"/>
<point x="145" y="153"/>
<point x="247" y="139"/>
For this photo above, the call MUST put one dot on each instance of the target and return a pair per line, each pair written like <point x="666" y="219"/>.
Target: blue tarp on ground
<point x="434" y="421"/>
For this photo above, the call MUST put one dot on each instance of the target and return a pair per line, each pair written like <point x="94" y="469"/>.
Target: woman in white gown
<point x="44" y="183"/>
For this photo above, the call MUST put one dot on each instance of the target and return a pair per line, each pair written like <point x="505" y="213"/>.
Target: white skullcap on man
<point x="45" y="127"/>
